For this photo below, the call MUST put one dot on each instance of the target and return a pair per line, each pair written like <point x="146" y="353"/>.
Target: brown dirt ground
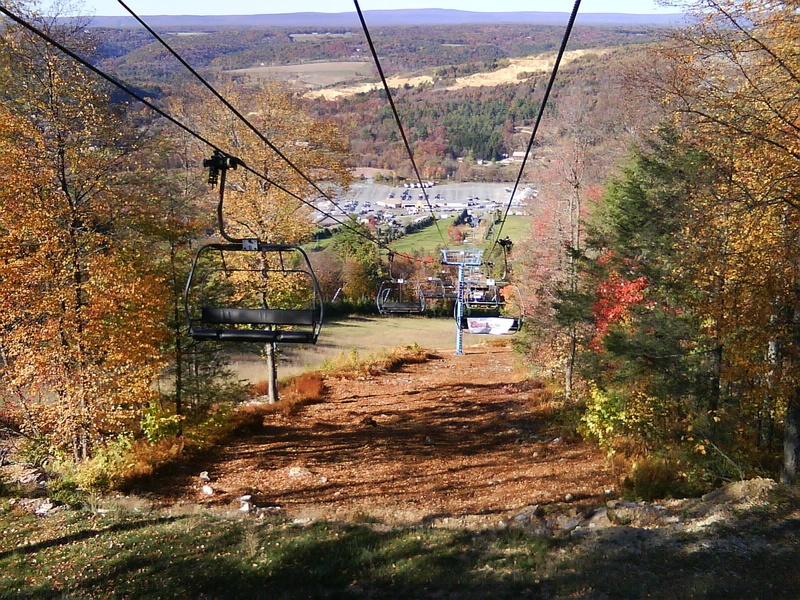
<point x="462" y="440"/>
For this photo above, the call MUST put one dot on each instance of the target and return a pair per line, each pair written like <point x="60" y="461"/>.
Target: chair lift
<point x="272" y="294"/>
<point x="490" y="306"/>
<point x="399" y="296"/>
<point x="431" y="291"/>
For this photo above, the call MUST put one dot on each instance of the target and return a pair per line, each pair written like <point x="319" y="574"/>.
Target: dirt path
<point x="458" y="440"/>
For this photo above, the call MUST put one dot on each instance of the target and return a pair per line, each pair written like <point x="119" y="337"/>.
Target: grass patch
<point x="351" y="364"/>
<point x="81" y="554"/>
<point x="426" y="241"/>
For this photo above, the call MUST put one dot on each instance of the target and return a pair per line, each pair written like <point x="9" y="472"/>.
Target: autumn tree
<point x="652" y="359"/>
<point x="732" y="82"/>
<point x="362" y="266"/>
<point x="292" y="160"/>
<point x="80" y="309"/>
<point x="580" y="141"/>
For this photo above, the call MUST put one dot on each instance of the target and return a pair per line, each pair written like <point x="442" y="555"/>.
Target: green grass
<point x="364" y="335"/>
<point x="426" y="240"/>
<point x="200" y="554"/>
<point x="82" y="555"/>
<point x="517" y="228"/>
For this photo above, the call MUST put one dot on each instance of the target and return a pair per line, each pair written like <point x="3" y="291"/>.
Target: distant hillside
<point x="379" y="18"/>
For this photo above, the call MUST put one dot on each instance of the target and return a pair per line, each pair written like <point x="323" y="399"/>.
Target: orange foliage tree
<point x="80" y="315"/>
<point x="733" y="84"/>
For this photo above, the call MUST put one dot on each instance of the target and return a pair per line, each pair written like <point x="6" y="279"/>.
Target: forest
<point x="660" y="274"/>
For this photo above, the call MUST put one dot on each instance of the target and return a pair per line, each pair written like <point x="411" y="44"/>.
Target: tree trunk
<point x="791" y="440"/>
<point x="179" y="379"/>
<point x="272" y="374"/>
<point x="569" y="370"/>
<point x="791" y="422"/>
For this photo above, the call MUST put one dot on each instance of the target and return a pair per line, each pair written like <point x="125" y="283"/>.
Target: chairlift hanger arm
<point x="218" y="166"/>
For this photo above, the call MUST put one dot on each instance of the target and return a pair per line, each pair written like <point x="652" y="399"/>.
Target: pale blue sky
<point x="250" y="7"/>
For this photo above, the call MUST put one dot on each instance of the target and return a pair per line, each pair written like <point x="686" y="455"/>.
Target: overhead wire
<point x="548" y="89"/>
<point x="128" y="90"/>
<point x="225" y="101"/>
<point x="395" y="113"/>
<point x="252" y="127"/>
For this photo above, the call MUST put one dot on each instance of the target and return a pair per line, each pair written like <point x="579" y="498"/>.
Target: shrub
<point x="604" y="419"/>
<point x="654" y="479"/>
<point x="157" y="424"/>
<point x="103" y="470"/>
<point x="352" y="365"/>
<point x="305" y="389"/>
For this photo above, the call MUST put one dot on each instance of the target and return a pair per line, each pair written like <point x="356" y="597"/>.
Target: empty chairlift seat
<point x="399" y="296"/>
<point x="267" y="293"/>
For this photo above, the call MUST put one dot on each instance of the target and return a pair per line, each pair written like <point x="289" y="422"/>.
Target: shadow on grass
<point x="203" y="556"/>
<point x="85" y="534"/>
<point x="324" y="562"/>
<point x="651" y="563"/>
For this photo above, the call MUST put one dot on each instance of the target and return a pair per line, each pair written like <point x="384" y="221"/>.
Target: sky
<point x="251" y="7"/>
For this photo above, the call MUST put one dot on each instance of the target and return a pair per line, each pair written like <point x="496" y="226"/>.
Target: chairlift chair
<point x="491" y="307"/>
<point x="399" y="296"/>
<point x="270" y="290"/>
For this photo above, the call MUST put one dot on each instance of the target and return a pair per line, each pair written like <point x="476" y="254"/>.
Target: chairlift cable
<point x="548" y="89"/>
<point x="396" y="115"/>
<point x="261" y="136"/>
<point x="224" y="100"/>
<point x="133" y="94"/>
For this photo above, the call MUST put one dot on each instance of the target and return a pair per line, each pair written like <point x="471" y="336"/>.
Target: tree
<point x="652" y="360"/>
<point x="732" y="82"/>
<point x="81" y="308"/>
<point x="363" y="270"/>
<point x="578" y="155"/>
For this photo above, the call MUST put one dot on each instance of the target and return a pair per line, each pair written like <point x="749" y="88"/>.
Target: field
<point x="310" y="75"/>
<point x="362" y="336"/>
<point x="518" y="69"/>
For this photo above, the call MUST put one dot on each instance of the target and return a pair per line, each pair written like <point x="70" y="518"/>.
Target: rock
<point x="567" y="524"/>
<point x="45" y="507"/>
<point x="299" y="472"/>
<point x="750" y="492"/>
<point x="599" y="520"/>
<point x="528" y="513"/>
<point x="207" y="490"/>
<point x="569" y="498"/>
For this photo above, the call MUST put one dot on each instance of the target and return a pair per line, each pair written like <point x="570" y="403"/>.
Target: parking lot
<point x="368" y="198"/>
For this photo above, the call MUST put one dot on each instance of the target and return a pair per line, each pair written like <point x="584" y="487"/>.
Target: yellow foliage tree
<point x="733" y="85"/>
<point x="80" y="316"/>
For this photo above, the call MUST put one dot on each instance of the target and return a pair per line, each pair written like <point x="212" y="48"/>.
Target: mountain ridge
<point x="384" y="18"/>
